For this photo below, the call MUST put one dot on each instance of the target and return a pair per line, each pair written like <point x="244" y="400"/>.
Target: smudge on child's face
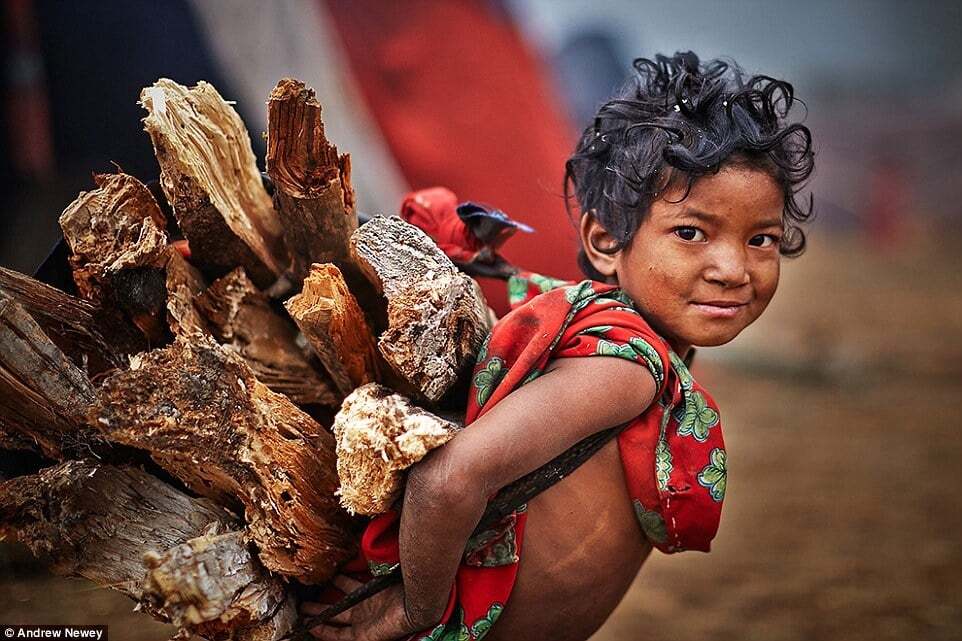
<point x="701" y="270"/>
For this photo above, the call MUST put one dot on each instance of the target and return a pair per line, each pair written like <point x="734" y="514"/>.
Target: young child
<point x="686" y="187"/>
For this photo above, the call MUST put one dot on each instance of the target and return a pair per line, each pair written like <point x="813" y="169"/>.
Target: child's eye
<point x="763" y="240"/>
<point x="690" y="233"/>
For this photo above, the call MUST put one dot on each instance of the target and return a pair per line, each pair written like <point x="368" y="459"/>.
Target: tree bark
<point x="210" y="177"/>
<point x="437" y="318"/>
<point x="242" y="318"/>
<point x="197" y="408"/>
<point x="312" y="183"/>
<point x="333" y="323"/>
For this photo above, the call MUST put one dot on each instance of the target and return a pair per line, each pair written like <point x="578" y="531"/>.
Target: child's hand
<point x="381" y="617"/>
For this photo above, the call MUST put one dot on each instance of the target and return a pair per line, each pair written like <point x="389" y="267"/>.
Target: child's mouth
<point x="720" y="309"/>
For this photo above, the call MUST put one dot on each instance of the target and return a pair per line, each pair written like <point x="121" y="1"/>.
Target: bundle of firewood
<point x="243" y="368"/>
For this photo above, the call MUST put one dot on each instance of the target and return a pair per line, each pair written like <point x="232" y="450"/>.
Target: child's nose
<point x="727" y="266"/>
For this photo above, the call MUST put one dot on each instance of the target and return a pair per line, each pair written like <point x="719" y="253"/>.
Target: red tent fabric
<point x="463" y="103"/>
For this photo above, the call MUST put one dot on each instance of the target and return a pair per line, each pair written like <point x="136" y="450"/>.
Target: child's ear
<point x="599" y="245"/>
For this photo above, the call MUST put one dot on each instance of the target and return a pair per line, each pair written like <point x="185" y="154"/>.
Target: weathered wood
<point x="437" y="317"/>
<point x="333" y="323"/>
<point x="101" y="523"/>
<point x="210" y="177"/>
<point x="312" y="182"/>
<point x="379" y="435"/>
<point x="97" y="521"/>
<point x="212" y="585"/>
<point x="242" y="318"/>
<point x="43" y="395"/>
<point x="184" y="283"/>
<point x="197" y="408"/>
<point x="116" y="226"/>
<point x="96" y="338"/>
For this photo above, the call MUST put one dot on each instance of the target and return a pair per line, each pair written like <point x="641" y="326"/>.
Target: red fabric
<point x="463" y="102"/>
<point x="672" y="454"/>
<point x="434" y="210"/>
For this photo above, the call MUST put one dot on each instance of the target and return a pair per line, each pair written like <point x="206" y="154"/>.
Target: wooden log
<point x="114" y="227"/>
<point x="210" y="177"/>
<point x="312" y="182"/>
<point x="242" y="318"/>
<point x="437" y="318"/>
<point x="213" y="586"/>
<point x="379" y="435"/>
<point x="94" y="337"/>
<point x="97" y="521"/>
<point x="197" y="408"/>
<point x="102" y="522"/>
<point x="333" y="323"/>
<point x="43" y="395"/>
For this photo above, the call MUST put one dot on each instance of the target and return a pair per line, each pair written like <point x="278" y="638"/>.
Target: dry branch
<point x="333" y="323"/>
<point x="200" y="413"/>
<point x="212" y="585"/>
<point x="242" y="317"/>
<point x="183" y="283"/>
<point x="437" y="318"/>
<point x="210" y="177"/>
<point x="96" y="338"/>
<point x="312" y="183"/>
<point x="379" y="435"/>
<point x="43" y="395"/>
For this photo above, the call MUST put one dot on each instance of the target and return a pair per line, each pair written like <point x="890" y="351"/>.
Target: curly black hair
<point x="678" y="118"/>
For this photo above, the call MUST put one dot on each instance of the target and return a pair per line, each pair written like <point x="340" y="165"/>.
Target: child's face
<point x="701" y="270"/>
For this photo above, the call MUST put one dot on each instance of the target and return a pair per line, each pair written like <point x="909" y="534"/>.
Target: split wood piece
<point x="43" y="395"/>
<point x="242" y="318"/>
<point x="210" y="177"/>
<point x="97" y="521"/>
<point x="94" y="337"/>
<point x="312" y="182"/>
<point x="379" y="435"/>
<point x="184" y="284"/>
<point x="200" y="413"/>
<point x="436" y="315"/>
<point x="213" y="586"/>
<point x="114" y="227"/>
<point x="334" y="325"/>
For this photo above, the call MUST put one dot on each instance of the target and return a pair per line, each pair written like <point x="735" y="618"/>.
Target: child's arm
<point x="447" y="492"/>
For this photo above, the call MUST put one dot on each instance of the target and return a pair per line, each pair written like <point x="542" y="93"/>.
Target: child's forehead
<point x="733" y="194"/>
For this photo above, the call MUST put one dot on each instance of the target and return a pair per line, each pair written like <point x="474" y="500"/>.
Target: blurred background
<point x="842" y="405"/>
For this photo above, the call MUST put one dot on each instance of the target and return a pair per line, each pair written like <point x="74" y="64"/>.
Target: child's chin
<point x="714" y="339"/>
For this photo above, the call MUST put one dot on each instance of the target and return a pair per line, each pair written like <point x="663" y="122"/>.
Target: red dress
<point x="673" y="454"/>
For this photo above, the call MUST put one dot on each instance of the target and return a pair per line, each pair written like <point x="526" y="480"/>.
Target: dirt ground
<point x="842" y="409"/>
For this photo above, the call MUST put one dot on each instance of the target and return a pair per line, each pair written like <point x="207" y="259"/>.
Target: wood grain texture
<point x="94" y="337"/>
<point x="197" y="408"/>
<point x="242" y="318"/>
<point x="437" y="318"/>
<point x="334" y="325"/>
<point x="312" y="182"/>
<point x="43" y="395"/>
<point x="379" y="435"/>
<point x="210" y="177"/>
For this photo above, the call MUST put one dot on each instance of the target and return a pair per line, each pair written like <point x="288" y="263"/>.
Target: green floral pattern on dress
<point x="493" y="547"/>
<point x="715" y="475"/>
<point x="698" y="417"/>
<point x="651" y="523"/>
<point x="380" y="569"/>
<point x="488" y="378"/>
<point x="663" y="464"/>
<point x="482" y="626"/>
<point x="451" y="631"/>
<point x="546" y="283"/>
<point x="517" y="289"/>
